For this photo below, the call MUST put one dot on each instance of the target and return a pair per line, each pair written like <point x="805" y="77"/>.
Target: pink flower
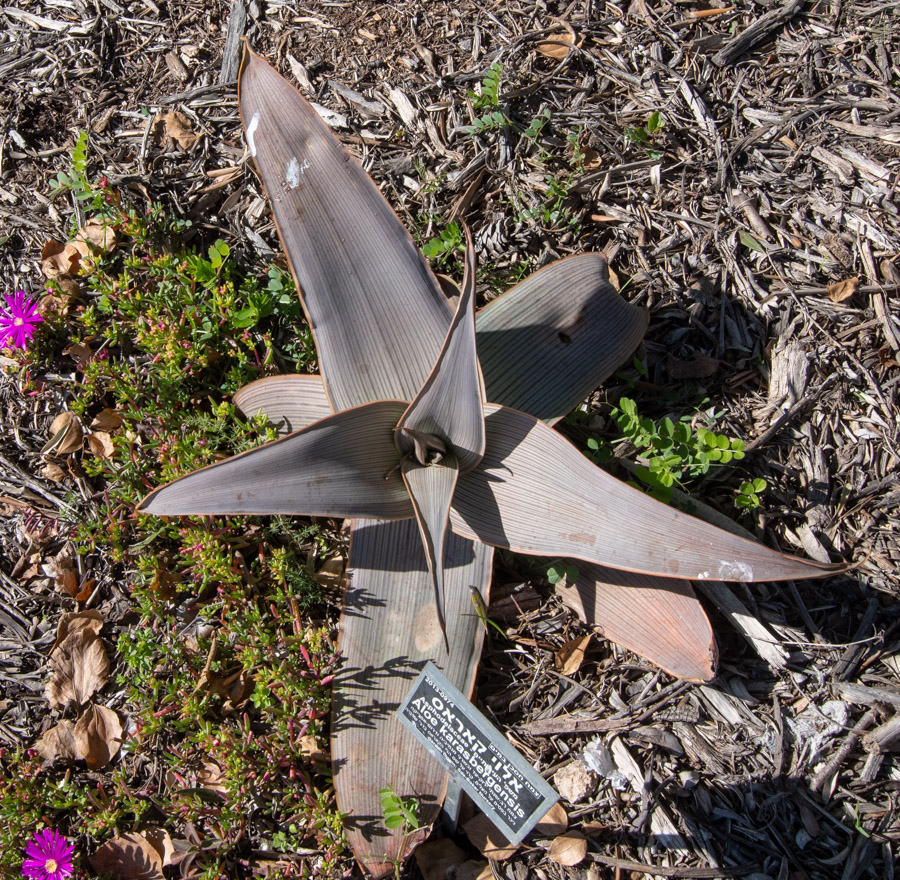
<point x="49" y="857"/>
<point x="17" y="320"/>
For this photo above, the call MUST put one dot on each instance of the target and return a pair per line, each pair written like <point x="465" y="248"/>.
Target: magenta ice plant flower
<point x="49" y="856"/>
<point x="18" y="318"/>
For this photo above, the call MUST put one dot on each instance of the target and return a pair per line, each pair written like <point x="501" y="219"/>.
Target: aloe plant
<point x="431" y="430"/>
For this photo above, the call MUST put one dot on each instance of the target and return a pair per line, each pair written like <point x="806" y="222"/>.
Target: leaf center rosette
<point x="441" y="434"/>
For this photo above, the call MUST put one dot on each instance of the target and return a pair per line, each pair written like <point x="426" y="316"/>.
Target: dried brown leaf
<point x="700" y="366"/>
<point x="98" y="736"/>
<point x="161" y="841"/>
<point x="65" y="571"/>
<point x="90" y="621"/>
<point x="570" y="656"/>
<point x="79" y="352"/>
<point x="97" y="236"/>
<point x="101" y="444"/>
<point x="489" y="841"/>
<point x="107" y="420"/>
<point x="176" y="126"/>
<point x="554" y="823"/>
<point x="58" y="743"/>
<point x="842" y="290"/>
<point x="212" y="776"/>
<point x="80" y="669"/>
<point x="331" y="573"/>
<point x="309" y="748"/>
<point x="131" y="857"/>
<point x="53" y="472"/>
<point x="437" y="857"/>
<point x="66" y="435"/>
<point x="557" y="47"/>
<point x="474" y="870"/>
<point x="58" y="259"/>
<point x="569" y="849"/>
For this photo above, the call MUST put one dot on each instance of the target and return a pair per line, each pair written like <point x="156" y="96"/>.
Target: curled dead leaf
<point x="437" y="857"/>
<point x="65" y="570"/>
<point x="558" y="46"/>
<point x="90" y="621"/>
<point x="107" y="420"/>
<point x="841" y="290"/>
<point x="131" y="857"/>
<point x="570" y="656"/>
<point x="59" y="260"/>
<point x="96" y="236"/>
<point x="80" y="668"/>
<point x="212" y="776"/>
<point x="489" y="841"/>
<point x="568" y="849"/>
<point x="66" y="435"/>
<point x="332" y="572"/>
<point x="98" y="736"/>
<point x="58" y="743"/>
<point x="176" y="126"/>
<point x="80" y="352"/>
<point x="554" y="823"/>
<point x="101" y="444"/>
<point x="53" y="472"/>
<point x="700" y="366"/>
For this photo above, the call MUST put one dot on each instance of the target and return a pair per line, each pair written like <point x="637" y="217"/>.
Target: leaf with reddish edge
<point x="534" y="492"/>
<point x="548" y="342"/>
<point x="389" y="630"/>
<point x="295" y="400"/>
<point x="431" y="489"/>
<point x="658" y="618"/>
<point x="367" y="290"/>
<point x="344" y="466"/>
<point x="450" y="404"/>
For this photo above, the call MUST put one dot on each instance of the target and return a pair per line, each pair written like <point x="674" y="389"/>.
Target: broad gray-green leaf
<point x="450" y="404"/>
<point x="658" y="618"/>
<point x="534" y="492"/>
<point x="549" y="341"/>
<point x="431" y="489"/>
<point x="389" y="630"/>
<point x="334" y="467"/>
<point x="289" y="402"/>
<point x="375" y="308"/>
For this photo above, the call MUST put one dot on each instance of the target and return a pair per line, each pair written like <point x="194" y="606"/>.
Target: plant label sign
<point x="497" y="778"/>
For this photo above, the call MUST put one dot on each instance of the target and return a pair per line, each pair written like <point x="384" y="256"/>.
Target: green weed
<point x="672" y="453"/>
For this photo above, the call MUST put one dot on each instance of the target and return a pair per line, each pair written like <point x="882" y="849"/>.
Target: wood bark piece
<point x="760" y="30"/>
<point x="763" y="641"/>
<point x="885" y="737"/>
<point x="231" y="56"/>
<point x="664" y="829"/>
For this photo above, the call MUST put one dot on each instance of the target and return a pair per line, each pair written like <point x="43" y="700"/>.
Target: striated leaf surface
<point x="334" y="467"/>
<point x="534" y="492"/>
<point x="376" y="310"/>
<point x="549" y="341"/>
<point x="450" y="405"/>
<point x="389" y="630"/>
<point x="659" y="618"/>
<point x="290" y="402"/>
<point x="431" y="489"/>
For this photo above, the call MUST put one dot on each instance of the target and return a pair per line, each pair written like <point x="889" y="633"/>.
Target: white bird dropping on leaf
<point x="251" y="129"/>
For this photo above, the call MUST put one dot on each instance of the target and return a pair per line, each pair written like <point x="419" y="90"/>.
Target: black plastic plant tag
<point x="497" y="778"/>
